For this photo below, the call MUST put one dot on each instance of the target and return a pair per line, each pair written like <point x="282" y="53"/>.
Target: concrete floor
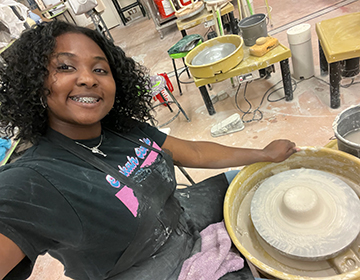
<point x="306" y="120"/>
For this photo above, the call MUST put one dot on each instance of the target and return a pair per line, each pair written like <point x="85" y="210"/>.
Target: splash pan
<point x="270" y="260"/>
<point x="215" y="56"/>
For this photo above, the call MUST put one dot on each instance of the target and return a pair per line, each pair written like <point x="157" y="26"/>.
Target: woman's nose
<point x="87" y="78"/>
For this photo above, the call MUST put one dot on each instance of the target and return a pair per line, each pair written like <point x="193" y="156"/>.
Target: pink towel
<point x="215" y="258"/>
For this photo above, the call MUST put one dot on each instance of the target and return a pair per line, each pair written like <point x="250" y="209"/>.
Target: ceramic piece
<point x="306" y="213"/>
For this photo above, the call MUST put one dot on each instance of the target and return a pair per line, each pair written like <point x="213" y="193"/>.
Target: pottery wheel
<point x="213" y="53"/>
<point x="306" y="214"/>
<point x="190" y="10"/>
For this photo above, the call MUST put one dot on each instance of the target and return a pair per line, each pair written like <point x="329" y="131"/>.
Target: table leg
<point x="176" y="75"/>
<point x="183" y="32"/>
<point x="186" y="68"/>
<point x="286" y="77"/>
<point x="207" y="100"/>
<point x="335" y="78"/>
<point x="323" y="62"/>
<point x="118" y="9"/>
<point x="233" y="25"/>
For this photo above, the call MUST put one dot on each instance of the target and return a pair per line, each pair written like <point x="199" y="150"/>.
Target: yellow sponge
<point x="263" y="45"/>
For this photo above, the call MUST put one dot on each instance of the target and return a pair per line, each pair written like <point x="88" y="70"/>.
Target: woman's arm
<point x="201" y="154"/>
<point x="10" y="255"/>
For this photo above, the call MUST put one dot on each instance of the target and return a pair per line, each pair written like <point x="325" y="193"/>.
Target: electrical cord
<point x="343" y="86"/>
<point x="257" y="110"/>
<point x="268" y="94"/>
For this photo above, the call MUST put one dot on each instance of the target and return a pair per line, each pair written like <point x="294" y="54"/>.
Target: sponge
<point x="263" y="45"/>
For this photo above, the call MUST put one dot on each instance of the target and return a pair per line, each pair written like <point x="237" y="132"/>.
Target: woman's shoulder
<point x="145" y="130"/>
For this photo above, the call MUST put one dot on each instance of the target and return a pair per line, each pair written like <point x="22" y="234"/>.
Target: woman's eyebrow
<point x="64" y="54"/>
<point x="67" y="54"/>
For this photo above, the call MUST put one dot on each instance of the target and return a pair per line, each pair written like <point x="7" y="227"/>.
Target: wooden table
<point x="205" y="16"/>
<point x="49" y="14"/>
<point x="339" y="39"/>
<point x="248" y="64"/>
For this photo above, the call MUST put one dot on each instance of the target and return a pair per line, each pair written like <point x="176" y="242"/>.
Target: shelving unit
<point x="160" y="23"/>
<point x="122" y="10"/>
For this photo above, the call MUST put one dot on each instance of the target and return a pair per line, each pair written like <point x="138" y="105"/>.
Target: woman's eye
<point x="65" y="67"/>
<point x="102" y="71"/>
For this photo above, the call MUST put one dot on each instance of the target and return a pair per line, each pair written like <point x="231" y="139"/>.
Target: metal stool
<point x="158" y="84"/>
<point x="180" y="50"/>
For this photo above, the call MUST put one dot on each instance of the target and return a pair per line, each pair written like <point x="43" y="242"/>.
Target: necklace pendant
<point x="95" y="150"/>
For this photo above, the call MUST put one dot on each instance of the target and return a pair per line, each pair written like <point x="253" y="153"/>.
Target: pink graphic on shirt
<point x="126" y="195"/>
<point x="151" y="157"/>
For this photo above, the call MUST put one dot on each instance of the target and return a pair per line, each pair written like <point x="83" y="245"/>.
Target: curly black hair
<point x="22" y="82"/>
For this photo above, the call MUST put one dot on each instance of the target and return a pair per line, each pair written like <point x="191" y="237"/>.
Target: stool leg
<point x="335" y="77"/>
<point x="142" y="8"/>
<point x="233" y="26"/>
<point x="176" y="75"/>
<point x="286" y="77"/>
<point x="186" y="175"/>
<point x="177" y="103"/>
<point x="323" y="62"/>
<point x="207" y="100"/>
<point x="167" y="103"/>
<point x="186" y="68"/>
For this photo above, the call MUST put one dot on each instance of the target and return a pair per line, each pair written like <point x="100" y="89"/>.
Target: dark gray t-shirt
<point x="52" y="201"/>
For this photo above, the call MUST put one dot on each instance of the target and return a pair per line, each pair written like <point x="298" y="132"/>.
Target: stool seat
<point x="158" y="83"/>
<point x="157" y="86"/>
<point x="340" y="37"/>
<point x="180" y="50"/>
<point x="184" y="45"/>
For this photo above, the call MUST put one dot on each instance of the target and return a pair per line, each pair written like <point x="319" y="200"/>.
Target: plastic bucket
<point x="252" y="28"/>
<point x="299" y="38"/>
<point x="346" y="122"/>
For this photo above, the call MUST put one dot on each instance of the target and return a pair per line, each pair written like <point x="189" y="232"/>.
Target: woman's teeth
<point x="85" y="99"/>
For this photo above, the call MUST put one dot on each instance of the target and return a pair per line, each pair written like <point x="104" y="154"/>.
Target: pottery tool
<point x="250" y="8"/>
<point x="268" y="12"/>
<point x="263" y="45"/>
<point x="216" y="12"/>
<point x="239" y="8"/>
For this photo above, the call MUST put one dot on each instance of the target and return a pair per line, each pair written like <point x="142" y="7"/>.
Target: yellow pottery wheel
<point x="221" y="66"/>
<point x="244" y="235"/>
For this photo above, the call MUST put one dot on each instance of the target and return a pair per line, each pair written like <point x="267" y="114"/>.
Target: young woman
<point x="97" y="189"/>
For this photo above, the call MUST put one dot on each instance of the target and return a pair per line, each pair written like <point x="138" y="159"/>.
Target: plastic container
<point x="252" y="28"/>
<point x="299" y="38"/>
<point x="347" y="121"/>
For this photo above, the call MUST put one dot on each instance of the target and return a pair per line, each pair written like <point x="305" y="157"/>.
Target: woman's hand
<point x="279" y="150"/>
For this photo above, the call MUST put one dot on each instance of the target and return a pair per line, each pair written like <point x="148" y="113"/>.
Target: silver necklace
<point x="94" y="150"/>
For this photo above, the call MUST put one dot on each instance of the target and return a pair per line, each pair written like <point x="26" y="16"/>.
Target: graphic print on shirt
<point x="142" y="157"/>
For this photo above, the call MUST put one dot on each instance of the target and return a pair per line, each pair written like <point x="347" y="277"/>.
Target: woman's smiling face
<point x="82" y="88"/>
